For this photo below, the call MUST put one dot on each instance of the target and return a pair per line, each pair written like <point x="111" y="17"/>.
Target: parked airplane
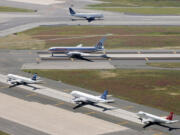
<point x="88" y="16"/>
<point x="19" y="80"/>
<point x="82" y="99"/>
<point x="78" y="51"/>
<point x="150" y="119"/>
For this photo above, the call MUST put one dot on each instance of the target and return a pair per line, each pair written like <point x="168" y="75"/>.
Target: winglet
<point x="104" y="95"/>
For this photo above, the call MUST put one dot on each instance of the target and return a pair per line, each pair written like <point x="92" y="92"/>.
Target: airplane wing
<point x="107" y="101"/>
<point x="90" y="18"/>
<point x="81" y="99"/>
<point x="80" y="45"/>
<point x="172" y="121"/>
<point x="16" y="81"/>
<point x="73" y="53"/>
<point x="78" y="55"/>
<point x="148" y="120"/>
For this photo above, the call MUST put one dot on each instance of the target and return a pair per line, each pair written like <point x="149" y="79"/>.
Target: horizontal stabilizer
<point x="80" y="45"/>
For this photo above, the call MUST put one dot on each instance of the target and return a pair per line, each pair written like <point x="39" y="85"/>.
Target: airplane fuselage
<point x="154" y="118"/>
<point x="88" y="15"/>
<point x="88" y="97"/>
<point x="12" y="78"/>
<point x="72" y="49"/>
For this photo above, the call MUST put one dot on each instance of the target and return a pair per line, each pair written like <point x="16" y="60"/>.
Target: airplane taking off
<point x="78" y="51"/>
<point x="82" y="99"/>
<point x="19" y="80"/>
<point x="150" y="119"/>
<point x="88" y="16"/>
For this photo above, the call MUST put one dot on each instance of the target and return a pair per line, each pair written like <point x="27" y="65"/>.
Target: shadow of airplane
<point x="83" y="19"/>
<point x="84" y="104"/>
<point x="159" y="124"/>
<point x="17" y="84"/>
<point x="81" y="58"/>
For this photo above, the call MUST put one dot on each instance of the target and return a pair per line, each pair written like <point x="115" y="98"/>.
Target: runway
<point x="14" y="61"/>
<point x="21" y="106"/>
<point x="32" y="97"/>
<point x="58" y="14"/>
<point x="118" y="56"/>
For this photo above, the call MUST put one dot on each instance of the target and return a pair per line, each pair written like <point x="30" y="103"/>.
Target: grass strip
<point x="147" y="87"/>
<point x="12" y="9"/>
<point x="165" y="65"/>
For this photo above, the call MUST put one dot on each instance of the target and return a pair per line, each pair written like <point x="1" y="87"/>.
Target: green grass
<point x="3" y="133"/>
<point x="123" y="37"/>
<point x="138" y="3"/>
<point x="11" y="9"/>
<point x="157" y="88"/>
<point x="165" y="65"/>
<point x="154" y="7"/>
<point x="144" y="10"/>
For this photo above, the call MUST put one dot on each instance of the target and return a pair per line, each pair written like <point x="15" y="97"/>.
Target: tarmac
<point x="22" y="116"/>
<point x="58" y="14"/>
<point x="53" y="120"/>
<point x="68" y="65"/>
<point x="30" y="104"/>
<point x="16" y="58"/>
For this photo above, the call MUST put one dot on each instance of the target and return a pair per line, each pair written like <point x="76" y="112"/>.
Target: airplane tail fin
<point x="34" y="77"/>
<point x="170" y="116"/>
<point x="104" y="95"/>
<point x="100" y="44"/>
<point x="72" y="12"/>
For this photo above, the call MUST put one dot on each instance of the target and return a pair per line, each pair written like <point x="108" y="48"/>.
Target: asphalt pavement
<point x="58" y="14"/>
<point x="133" y="128"/>
<point x="12" y="60"/>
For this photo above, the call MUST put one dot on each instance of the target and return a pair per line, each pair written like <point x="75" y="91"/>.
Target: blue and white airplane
<point x="82" y="99"/>
<point x="88" y="16"/>
<point x="16" y="80"/>
<point x="79" y="51"/>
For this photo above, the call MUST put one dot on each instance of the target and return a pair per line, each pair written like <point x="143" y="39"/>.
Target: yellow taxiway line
<point x="32" y="94"/>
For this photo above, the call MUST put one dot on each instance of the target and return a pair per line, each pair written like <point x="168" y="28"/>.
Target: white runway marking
<point x="117" y="112"/>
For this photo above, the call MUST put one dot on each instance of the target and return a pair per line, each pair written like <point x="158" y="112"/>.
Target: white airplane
<point x="78" y="51"/>
<point x="19" y="80"/>
<point x="82" y="99"/>
<point x="150" y="119"/>
<point x="88" y="16"/>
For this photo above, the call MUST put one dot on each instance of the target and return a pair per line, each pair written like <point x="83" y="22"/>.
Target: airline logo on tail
<point x="104" y="95"/>
<point x="100" y="44"/>
<point x="72" y="12"/>
<point x="34" y="77"/>
<point x="170" y="117"/>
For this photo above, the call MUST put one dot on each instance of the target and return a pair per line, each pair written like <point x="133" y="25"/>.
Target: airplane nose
<point x="72" y="93"/>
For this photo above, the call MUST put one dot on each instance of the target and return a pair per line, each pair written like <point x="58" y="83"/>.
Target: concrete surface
<point x="30" y="96"/>
<point x="41" y="2"/>
<point x="52" y="120"/>
<point x="68" y="65"/>
<point x="58" y="14"/>
<point x="68" y="98"/>
<point x="14" y="128"/>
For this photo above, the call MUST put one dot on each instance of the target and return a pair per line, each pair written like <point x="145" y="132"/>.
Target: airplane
<point x="79" y="51"/>
<point x="16" y="80"/>
<point x="82" y="99"/>
<point x="150" y="119"/>
<point x="88" y="16"/>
